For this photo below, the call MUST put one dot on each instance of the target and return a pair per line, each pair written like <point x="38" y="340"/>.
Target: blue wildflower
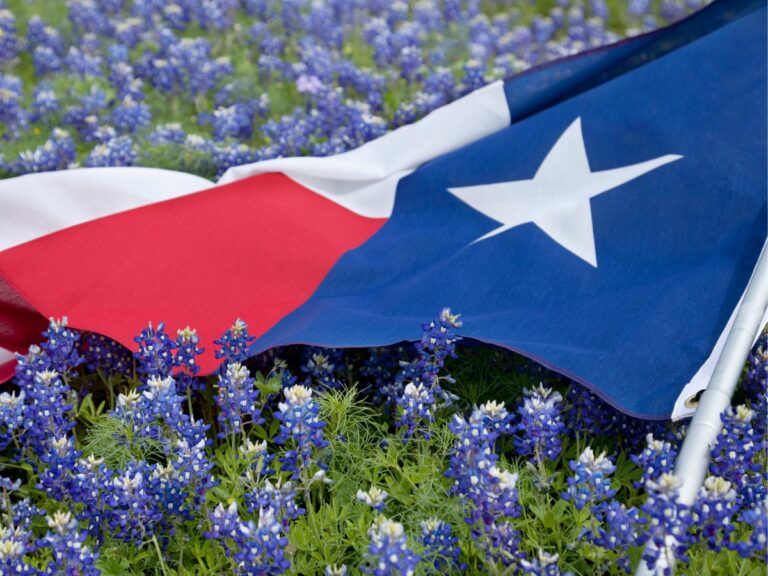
<point x="388" y="552"/>
<point x="756" y="543"/>
<point x="735" y="456"/>
<point x="375" y="497"/>
<point x="167" y="134"/>
<point x="9" y="44"/>
<point x="236" y="398"/>
<point x="234" y="344"/>
<point x="301" y="425"/>
<point x="262" y="546"/>
<point x="129" y="115"/>
<point x="591" y="483"/>
<point x="57" y="153"/>
<point x="70" y="553"/>
<point x="441" y="550"/>
<point x="668" y="524"/>
<point x="714" y="510"/>
<point x="155" y="354"/>
<point x="102" y="353"/>
<point x="13" y="116"/>
<point x="544" y="564"/>
<point x="279" y="497"/>
<point x="115" y="152"/>
<point x="540" y="424"/>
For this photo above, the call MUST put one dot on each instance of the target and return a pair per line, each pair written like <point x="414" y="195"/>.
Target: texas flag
<point x="601" y="215"/>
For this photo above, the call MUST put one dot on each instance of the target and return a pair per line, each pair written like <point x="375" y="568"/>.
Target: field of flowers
<point x="438" y="457"/>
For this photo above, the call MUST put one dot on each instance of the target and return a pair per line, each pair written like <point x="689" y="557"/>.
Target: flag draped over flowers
<point x="601" y="214"/>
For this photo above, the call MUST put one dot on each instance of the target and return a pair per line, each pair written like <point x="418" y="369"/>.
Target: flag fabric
<point x="601" y="215"/>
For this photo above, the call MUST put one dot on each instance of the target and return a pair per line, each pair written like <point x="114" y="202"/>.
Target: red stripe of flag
<point x="255" y="249"/>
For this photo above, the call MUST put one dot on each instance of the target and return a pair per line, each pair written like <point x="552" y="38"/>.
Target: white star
<point x="557" y="198"/>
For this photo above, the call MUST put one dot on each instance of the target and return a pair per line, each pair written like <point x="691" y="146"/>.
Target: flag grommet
<point x="693" y="401"/>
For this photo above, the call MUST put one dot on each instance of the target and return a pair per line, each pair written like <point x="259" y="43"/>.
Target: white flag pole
<point x="693" y="461"/>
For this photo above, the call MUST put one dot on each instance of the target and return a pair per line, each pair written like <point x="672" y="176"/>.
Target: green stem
<point x="163" y="567"/>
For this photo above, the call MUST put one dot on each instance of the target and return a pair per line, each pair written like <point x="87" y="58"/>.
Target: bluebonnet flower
<point x="45" y="60"/>
<point x="13" y="116"/>
<point x="195" y="69"/>
<point x="416" y="406"/>
<point x="15" y="543"/>
<point x="83" y="63"/>
<point x="656" y="459"/>
<point x="495" y="417"/>
<point x="713" y="511"/>
<point x="12" y="408"/>
<point x="668" y="524"/>
<point x="236" y="399"/>
<point x="591" y="483"/>
<point x="335" y="570"/>
<point x="501" y="544"/>
<point x="490" y="491"/>
<point x="441" y="550"/>
<point x="41" y="34"/>
<point x="130" y="513"/>
<point x="45" y="103"/>
<point x="89" y="484"/>
<point x="234" y="343"/>
<point x="755" y="384"/>
<point x="168" y="487"/>
<point x="57" y="153"/>
<point x="176" y="16"/>
<point x="47" y="411"/>
<point x="59" y="456"/>
<point x="167" y="134"/>
<point x="473" y="453"/>
<point x="119" y="54"/>
<point x="87" y="16"/>
<point x="233" y="155"/>
<point x="411" y="63"/>
<point x="279" y="497"/>
<point x="129" y="31"/>
<point x="197" y="143"/>
<point x="438" y="343"/>
<point x="70" y="553"/>
<point x="129" y="91"/>
<point x="755" y="545"/>
<point x="474" y="76"/>
<point x="376" y="498"/>
<point x="224" y="522"/>
<point x="617" y="529"/>
<point x="184" y="360"/>
<point x="300" y="423"/>
<point x="735" y="455"/>
<point x="9" y="43"/>
<point x="162" y="74"/>
<point x="540" y="424"/>
<point x="102" y="353"/>
<point x="321" y="364"/>
<point x="235" y="121"/>
<point x="544" y="564"/>
<point x="388" y="552"/>
<point x="262" y="546"/>
<point x="256" y="457"/>
<point x="117" y="151"/>
<point x="155" y="354"/>
<point x="129" y="115"/>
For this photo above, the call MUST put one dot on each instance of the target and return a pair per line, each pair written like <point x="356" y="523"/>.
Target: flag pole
<point x="693" y="461"/>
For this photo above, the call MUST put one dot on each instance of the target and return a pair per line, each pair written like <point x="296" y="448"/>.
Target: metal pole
<point x="693" y="460"/>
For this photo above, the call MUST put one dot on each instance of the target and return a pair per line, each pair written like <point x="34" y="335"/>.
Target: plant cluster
<point x="120" y="463"/>
<point x="203" y="85"/>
